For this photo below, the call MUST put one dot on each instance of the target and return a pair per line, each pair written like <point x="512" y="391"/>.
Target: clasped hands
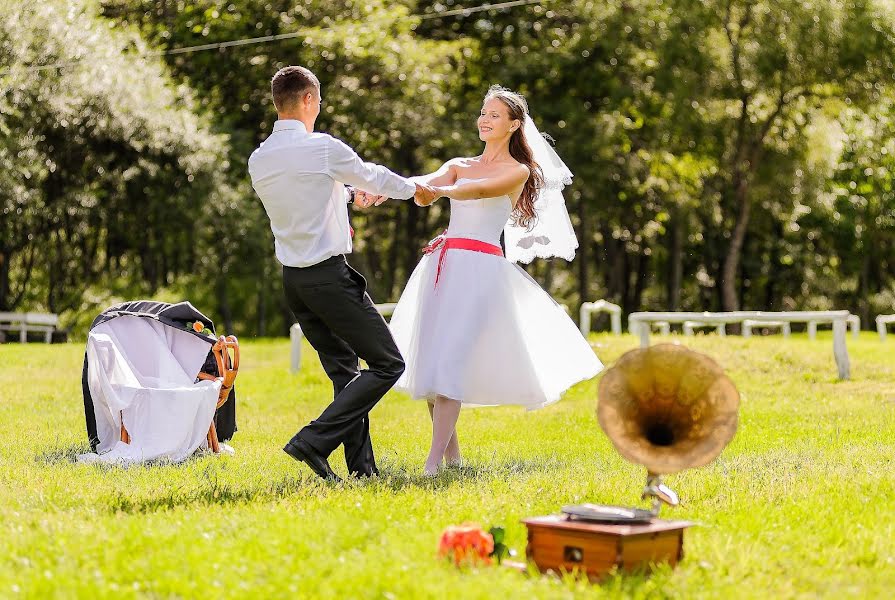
<point x="424" y="196"/>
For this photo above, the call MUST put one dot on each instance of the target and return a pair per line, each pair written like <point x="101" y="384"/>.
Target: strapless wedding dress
<point x="475" y="327"/>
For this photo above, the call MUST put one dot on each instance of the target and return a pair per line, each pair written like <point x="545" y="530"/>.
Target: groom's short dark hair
<point x="290" y="84"/>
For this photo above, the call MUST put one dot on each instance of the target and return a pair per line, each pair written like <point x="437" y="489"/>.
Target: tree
<point x="775" y="64"/>
<point x="705" y="136"/>
<point x="103" y="160"/>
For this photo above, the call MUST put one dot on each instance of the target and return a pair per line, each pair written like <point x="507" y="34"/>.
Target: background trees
<point x="103" y="162"/>
<point x="727" y="153"/>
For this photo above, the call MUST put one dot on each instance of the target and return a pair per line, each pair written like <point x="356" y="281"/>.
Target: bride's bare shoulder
<point x="516" y="168"/>
<point x="521" y="168"/>
<point x="464" y="162"/>
<point x="509" y="166"/>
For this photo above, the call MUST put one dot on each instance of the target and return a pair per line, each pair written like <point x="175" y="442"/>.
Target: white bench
<point x="295" y="335"/>
<point x="640" y="324"/>
<point x="749" y="324"/>
<point x="854" y="322"/>
<point x="881" y="322"/>
<point x="690" y="326"/>
<point x="24" y="323"/>
<point x="386" y="309"/>
<point x="663" y="327"/>
<point x="588" y="308"/>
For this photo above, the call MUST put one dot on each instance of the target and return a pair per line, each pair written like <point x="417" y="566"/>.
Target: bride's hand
<point x="425" y="194"/>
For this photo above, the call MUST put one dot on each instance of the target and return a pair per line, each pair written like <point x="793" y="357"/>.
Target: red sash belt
<point x="446" y="243"/>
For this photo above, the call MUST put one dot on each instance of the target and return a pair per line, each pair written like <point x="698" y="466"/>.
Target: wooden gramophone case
<point x="558" y="544"/>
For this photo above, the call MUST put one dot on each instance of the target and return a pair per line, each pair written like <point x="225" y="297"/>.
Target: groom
<point x="299" y="176"/>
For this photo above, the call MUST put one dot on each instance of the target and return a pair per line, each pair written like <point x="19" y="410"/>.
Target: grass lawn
<point x="800" y="504"/>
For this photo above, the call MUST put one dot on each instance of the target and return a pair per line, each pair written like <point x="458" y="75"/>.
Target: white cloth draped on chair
<point x="144" y="372"/>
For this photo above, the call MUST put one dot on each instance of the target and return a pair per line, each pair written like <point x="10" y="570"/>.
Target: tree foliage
<point x="727" y="153"/>
<point x="103" y="161"/>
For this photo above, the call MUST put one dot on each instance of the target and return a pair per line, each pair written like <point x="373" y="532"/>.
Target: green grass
<point x="800" y="504"/>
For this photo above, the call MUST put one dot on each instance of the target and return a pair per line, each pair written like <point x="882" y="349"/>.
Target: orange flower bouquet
<point x="466" y="544"/>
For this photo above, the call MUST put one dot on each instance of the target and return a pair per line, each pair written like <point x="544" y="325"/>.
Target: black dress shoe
<point x="301" y="450"/>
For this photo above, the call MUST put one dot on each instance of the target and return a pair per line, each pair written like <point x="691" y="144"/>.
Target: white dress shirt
<point x="300" y="179"/>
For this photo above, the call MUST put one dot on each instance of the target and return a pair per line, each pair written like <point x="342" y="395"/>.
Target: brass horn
<point x="667" y="408"/>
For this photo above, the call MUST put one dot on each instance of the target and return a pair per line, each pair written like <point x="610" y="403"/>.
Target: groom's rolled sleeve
<point x="346" y="166"/>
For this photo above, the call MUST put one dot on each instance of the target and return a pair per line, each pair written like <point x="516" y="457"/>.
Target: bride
<point x="473" y="327"/>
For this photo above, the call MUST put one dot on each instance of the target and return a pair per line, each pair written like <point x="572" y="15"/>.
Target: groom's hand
<point x="365" y="199"/>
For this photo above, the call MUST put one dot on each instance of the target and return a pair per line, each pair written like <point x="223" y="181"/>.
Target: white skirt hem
<point x="431" y="395"/>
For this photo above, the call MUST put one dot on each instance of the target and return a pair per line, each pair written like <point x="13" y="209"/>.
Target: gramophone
<point x="666" y="408"/>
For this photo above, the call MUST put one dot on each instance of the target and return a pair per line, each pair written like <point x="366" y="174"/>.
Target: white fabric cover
<point x="487" y="334"/>
<point x="144" y="371"/>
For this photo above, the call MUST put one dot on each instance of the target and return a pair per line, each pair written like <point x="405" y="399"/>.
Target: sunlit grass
<point x="799" y="504"/>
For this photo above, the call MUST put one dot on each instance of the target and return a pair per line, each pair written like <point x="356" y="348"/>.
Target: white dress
<point x="487" y="334"/>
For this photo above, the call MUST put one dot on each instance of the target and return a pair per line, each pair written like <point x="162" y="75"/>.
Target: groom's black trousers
<point x="337" y="316"/>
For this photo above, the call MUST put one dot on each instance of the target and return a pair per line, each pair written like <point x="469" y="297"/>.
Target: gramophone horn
<point x="667" y="408"/>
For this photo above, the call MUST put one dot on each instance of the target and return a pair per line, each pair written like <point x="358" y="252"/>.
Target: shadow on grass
<point x="398" y="479"/>
<point x="392" y="478"/>
<point x="69" y="454"/>
<point x="211" y="492"/>
<point x="63" y="454"/>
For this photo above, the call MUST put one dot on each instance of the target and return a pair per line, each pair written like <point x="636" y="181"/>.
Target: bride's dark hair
<point x="524" y="212"/>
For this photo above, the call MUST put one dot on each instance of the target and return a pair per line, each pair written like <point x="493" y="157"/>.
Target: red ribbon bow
<point x="435" y="243"/>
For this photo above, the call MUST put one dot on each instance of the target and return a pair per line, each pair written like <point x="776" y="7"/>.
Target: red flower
<point x="467" y="543"/>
